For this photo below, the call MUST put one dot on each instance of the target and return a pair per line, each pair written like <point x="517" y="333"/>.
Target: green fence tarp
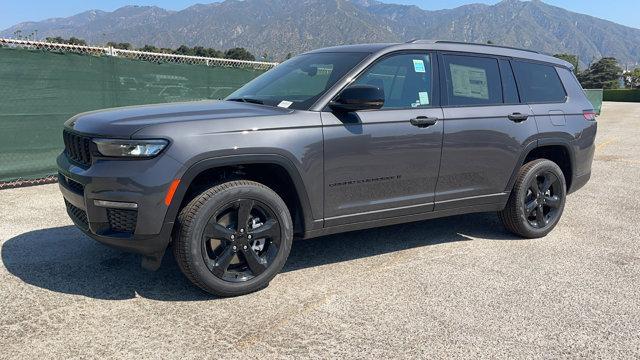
<point x="40" y="90"/>
<point x="595" y="97"/>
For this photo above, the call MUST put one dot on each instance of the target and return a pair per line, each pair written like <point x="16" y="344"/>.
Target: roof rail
<point x="418" y="41"/>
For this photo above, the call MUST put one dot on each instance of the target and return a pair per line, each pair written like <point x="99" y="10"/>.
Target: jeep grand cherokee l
<point x="333" y="140"/>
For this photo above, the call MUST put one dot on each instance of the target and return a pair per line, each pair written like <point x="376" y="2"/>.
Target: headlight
<point x="130" y="148"/>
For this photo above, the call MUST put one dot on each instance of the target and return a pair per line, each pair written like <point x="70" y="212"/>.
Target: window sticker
<point x="285" y="104"/>
<point x="418" y="66"/>
<point x="469" y="81"/>
<point x="424" y="97"/>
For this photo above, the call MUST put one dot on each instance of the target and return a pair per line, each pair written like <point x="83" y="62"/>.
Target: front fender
<point x="209" y="163"/>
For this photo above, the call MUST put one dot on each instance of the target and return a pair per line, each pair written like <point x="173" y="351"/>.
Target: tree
<point x="632" y="78"/>
<point x="572" y="59"/>
<point x="207" y="52"/>
<point x="75" y="41"/>
<point x="603" y="74"/>
<point x="199" y="51"/>
<point x="288" y="56"/>
<point x="239" y="54"/>
<point x="122" y="46"/>
<point x="149" y="48"/>
<point x="489" y="42"/>
<point x="184" y="50"/>
<point x="71" y="41"/>
<point x="56" y="40"/>
<point x="196" y="51"/>
<point x="215" y="53"/>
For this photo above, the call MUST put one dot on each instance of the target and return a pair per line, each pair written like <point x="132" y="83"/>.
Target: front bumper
<point x="144" y="230"/>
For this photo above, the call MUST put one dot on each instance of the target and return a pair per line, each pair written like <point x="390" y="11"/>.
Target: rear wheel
<point x="536" y="201"/>
<point x="234" y="238"/>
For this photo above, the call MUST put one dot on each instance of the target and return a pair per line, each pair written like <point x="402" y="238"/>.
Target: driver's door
<point x="380" y="163"/>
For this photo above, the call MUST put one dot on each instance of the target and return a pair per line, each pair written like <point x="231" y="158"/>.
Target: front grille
<point x="78" y="215"/>
<point x="121" y="220"/>
<point x="77" y="147"/>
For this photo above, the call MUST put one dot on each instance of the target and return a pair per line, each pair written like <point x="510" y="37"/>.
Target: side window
<point x="472" y="80"/>
<point x="405" y="79"/>
<point x="508" y="83"/>
<point x="538" y="83"/>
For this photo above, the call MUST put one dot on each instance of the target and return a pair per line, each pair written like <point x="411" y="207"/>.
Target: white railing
<point x="135" y="54"/>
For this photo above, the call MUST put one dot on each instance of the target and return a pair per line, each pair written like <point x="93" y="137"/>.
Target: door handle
<point x="518" y="117"/>
<point x="423" y="121"/>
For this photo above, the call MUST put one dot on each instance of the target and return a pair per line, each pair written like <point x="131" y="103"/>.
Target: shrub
<point x="622" y="95"/>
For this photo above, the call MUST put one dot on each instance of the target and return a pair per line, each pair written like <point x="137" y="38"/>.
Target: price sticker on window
<point x="418" y="66"/>
<point x="424" y="98"/>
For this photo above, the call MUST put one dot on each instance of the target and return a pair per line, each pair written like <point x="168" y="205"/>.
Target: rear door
<point x="377" y="163"/>
<point x="486" y="128"/>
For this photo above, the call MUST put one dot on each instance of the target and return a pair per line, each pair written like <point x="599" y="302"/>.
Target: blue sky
<point x="14" y="11"/>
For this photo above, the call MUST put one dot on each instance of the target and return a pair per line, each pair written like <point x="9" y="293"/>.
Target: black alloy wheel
<point x="241" y="240"/>
<point x="543" y="200"/>
<point x="537" y="200"/>
<point x="233" y="238"/>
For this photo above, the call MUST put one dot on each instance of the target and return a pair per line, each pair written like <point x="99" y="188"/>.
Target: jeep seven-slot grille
<point x="78" y="215"/>
<point x="122" y="220"/>
<point x="77" y="147"/>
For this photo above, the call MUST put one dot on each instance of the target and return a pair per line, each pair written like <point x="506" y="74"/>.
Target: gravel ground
<point x="458" y="287"/>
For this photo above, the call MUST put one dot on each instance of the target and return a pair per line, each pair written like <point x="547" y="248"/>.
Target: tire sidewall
<point x="211" y="206"/>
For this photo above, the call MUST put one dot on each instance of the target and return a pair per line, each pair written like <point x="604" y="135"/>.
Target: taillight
<point x="589" y="115"/>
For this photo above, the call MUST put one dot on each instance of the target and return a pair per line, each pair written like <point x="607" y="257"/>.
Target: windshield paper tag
<point x="424" y="98"/>
<point x="418" y="66"/>
<point x="285" y="104"/>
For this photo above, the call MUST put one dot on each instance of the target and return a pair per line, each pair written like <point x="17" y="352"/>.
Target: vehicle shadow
<point x="64" y="260"/>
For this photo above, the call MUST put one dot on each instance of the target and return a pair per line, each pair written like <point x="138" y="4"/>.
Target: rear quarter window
<point x="538" y="83"/>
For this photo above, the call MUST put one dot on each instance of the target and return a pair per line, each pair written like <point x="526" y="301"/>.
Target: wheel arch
<point x="558" y="150"/>
<point x="211" y="166"/>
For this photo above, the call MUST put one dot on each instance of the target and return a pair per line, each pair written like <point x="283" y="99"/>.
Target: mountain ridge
<point x="278" y="27"/>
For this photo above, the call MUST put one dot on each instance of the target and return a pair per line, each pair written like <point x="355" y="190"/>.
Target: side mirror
<point x="358" y="97"/>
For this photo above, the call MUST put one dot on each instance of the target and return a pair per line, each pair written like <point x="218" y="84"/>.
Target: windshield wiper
<point x="248" y="100"/>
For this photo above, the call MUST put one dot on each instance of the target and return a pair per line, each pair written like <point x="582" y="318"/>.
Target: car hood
<point x="125" y="121"/>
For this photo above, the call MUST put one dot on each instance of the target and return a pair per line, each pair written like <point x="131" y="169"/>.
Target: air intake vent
<point x="78" y="215"/>
<point x="122" y="220"/>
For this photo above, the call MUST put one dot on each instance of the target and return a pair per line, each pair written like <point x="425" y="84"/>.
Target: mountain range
<point x="279" y="27"/>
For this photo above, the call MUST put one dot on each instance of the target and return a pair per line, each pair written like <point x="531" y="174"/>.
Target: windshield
<point x="298" y="82"/>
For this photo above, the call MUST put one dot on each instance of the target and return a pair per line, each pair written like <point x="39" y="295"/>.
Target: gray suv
<point x="333" y="140"/>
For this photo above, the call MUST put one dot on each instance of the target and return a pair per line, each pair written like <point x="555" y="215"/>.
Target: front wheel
<point x="234" y="238"/>
<point x="536" y="201"/>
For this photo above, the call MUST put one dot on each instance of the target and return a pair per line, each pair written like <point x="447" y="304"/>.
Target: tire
<point x="227" y="250"/>
<point x="533" y="210"/>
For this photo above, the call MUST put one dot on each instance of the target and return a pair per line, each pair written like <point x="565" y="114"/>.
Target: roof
<point x="448" y="46"/>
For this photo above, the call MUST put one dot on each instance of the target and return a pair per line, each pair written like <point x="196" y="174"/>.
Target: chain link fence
<point x="136" y="55"/>
<point x="44" y="84"/>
